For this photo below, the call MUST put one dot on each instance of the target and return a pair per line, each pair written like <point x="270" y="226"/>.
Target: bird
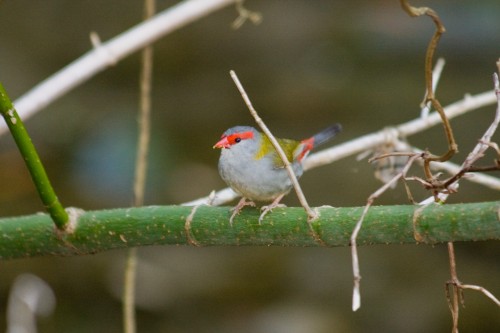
<point x="250" y="165"/>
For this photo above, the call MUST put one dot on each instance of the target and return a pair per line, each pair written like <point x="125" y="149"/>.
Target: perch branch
<point x="97" y="231"/>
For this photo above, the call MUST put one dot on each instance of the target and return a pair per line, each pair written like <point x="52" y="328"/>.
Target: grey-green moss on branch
<point x="97" y="231"/>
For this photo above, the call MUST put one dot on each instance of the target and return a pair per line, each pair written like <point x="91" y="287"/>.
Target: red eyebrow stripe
<point x="241" y="135"/>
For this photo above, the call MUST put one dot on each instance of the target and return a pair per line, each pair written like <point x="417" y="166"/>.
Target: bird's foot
<point x="237" y="209"/>
<point x="267" y="209"/>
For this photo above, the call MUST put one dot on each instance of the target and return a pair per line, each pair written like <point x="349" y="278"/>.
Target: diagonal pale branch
<point x="109" y="53"/>
<point x="104" y="230"/>
<point x="369" y="141"/>
<point x="312" y="214"/>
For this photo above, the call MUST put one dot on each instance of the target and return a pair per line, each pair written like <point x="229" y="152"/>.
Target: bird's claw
<point x="237" y="209"/>
<point x="268" y="209"/>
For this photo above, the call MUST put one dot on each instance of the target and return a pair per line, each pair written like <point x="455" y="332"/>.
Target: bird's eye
<point x="235" y="138"/>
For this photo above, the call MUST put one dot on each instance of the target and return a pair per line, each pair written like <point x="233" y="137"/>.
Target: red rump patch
<point x="308" y="145"/>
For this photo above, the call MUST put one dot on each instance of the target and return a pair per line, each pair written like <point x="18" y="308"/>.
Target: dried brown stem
<point x="430" y="96"/>
<point x="456" y="295"/>
<point x="145" y="85"/>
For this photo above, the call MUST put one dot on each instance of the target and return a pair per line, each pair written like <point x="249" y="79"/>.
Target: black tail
<point x="326" y="134"/>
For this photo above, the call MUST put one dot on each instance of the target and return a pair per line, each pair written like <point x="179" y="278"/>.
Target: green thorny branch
<point x="33" y="162"/>
<point x="203" y="225"/>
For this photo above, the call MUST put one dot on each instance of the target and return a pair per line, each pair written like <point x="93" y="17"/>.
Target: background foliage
<point x="306" y="65"/>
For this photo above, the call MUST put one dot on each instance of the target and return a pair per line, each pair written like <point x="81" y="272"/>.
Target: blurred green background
<point x="307" y="65"/>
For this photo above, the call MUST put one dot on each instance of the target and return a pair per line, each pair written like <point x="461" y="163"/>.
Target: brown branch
<point x="430" y="96"/>
<point x="456" y="295"/>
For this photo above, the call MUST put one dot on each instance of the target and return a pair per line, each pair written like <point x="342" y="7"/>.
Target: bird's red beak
<point x="223" y="143"/>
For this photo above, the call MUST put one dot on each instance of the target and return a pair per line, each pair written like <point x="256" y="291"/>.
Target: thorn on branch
<point x="103" y="52"/>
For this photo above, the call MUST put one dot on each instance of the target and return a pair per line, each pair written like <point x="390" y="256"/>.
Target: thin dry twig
<point x="438" y="187"/>
<point x="356" y="295"/>
<point x="482" y="290"/>
<point x="449" y="185"/>
<point x="310" y="212"/>
<point x="456" y="296"/>
<point x="430" y="96"/>
<point x="483" y="144"/>
<point x="145" y="86"/>
<point x="452" y="169"/>
<point x="436" y="75"/>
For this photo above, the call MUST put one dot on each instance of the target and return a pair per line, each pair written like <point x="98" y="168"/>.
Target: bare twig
<point x="456" y="284"/>
<point x="484" y="142"/>
<point x="128" y="296"/>
<point x="452" y="169"/>
<point x="430" y="97"/>
<point x="356" y="296"/>
<point x="476" y="154"/>
<point x="432" y="183"/>
<point x="436" y="75"/>
<point x="456" y="296"/>
<point x="482" y="290"/>
<point x="310" y="212"/>
<point x="145" y="84"/>
<point x="441" y="189"/>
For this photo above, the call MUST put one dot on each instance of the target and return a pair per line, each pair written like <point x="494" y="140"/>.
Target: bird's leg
<point x="274" y="204"/>
<point x="237" y="209"/>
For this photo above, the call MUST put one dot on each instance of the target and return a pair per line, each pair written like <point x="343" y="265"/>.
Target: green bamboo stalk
<point x="32" y="160"/>
<point x="97" y="231"/>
